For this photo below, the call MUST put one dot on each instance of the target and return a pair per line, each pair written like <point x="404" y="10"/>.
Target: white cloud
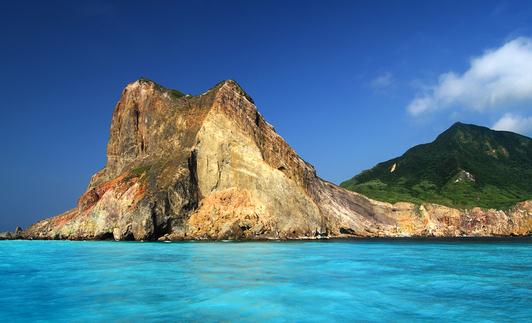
<point x="382" y="81"/>
<point x="514" y="123"/>
<point x="498" y="78"/>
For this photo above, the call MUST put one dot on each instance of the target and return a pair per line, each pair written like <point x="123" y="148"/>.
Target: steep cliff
<point x="210" y="167"/>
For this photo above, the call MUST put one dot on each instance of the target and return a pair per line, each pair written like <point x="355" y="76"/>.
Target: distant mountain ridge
<point x="465" y="166"/>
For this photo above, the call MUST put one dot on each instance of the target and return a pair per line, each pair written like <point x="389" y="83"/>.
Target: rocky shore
<point x="15" y="235"/>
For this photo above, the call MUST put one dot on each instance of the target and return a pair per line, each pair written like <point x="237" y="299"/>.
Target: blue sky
<point x="346" y="83"/>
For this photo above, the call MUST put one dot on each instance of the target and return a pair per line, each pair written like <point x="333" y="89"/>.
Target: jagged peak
<point x="144" y="82"/>
<point x="225" y="85"/>
<point x="230" y="85"/>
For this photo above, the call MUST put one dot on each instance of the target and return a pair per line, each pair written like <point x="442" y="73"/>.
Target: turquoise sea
<point x="64" y="281"/>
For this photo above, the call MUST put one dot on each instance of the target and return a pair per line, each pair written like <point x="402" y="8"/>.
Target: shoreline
<point x="333" y="239"/>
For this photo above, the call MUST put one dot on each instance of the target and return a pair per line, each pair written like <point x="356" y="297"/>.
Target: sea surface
<point x="408" y="281"/>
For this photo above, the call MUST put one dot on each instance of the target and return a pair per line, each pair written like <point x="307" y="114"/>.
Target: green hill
<point x="465" y="166"/>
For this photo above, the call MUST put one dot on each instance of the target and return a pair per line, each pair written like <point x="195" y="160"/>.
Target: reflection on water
<point x="266" y="281"/>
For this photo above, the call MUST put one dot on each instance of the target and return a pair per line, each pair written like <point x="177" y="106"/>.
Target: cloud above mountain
<point x="499" y="78"/>
<point x="514" y="123"/>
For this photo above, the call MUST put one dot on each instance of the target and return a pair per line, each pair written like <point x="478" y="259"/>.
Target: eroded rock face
<point x="210" y="167"/>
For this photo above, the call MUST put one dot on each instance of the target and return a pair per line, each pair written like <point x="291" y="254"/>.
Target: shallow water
<point x="266" y="281"/>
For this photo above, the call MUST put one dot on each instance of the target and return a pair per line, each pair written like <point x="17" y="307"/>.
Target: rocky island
<point x="183" y="167"/>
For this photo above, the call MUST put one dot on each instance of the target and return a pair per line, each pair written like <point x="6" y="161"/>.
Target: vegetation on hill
<point x="466" y="166"/>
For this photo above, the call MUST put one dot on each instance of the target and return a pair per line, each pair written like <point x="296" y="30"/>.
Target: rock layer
<point x="210" y="167"/>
